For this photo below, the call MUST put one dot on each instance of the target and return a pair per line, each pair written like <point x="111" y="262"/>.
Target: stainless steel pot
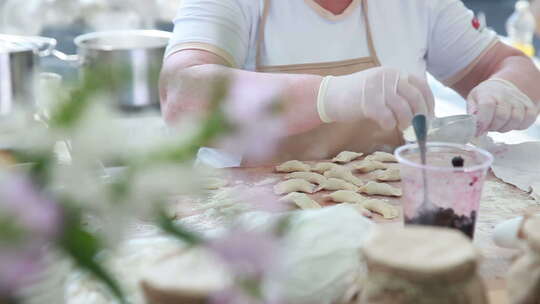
<point x="130" y="59"/>
<point x="19" y="66"/>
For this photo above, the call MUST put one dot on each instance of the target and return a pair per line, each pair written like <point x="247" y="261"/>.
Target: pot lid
<point x="14" y="43"/>
<point x="12" y="46"/>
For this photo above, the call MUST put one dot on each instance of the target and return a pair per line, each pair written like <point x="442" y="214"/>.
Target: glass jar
<point x="523" y="279"/>
<point x="421" y="265"/>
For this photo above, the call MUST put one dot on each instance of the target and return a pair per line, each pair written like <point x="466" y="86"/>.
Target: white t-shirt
<point x="414" y="36"/>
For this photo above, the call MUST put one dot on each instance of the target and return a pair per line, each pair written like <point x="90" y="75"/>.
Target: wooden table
<point x="500" y="201"/>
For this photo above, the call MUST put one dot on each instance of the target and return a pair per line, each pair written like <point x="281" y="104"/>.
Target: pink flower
<point x="233" y="296"/>
<point x="28" y="221"/>
<point x="263" y="199"/>
<point x="249" y="99"/>
<point x="249" y="254"/>
<point x="252" y="107"/>
<point x="35" y="213"/>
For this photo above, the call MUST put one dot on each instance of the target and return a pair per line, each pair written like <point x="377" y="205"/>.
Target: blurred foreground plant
<point x="44" y="203"/>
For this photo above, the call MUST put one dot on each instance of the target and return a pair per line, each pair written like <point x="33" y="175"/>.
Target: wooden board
<point x="500" y="201"/>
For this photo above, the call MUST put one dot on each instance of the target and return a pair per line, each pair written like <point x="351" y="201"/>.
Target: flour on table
<point x="267" y="181"/>
<point x="517" y="165"/>
<point x="499" y="202"/>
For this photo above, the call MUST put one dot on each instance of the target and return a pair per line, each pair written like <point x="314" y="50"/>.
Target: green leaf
<point x="39" y="165"/>
<point x="283" y="225"/>
<point x="83" y="247"/>
<point x="214" y="126"/>
<point x="181" y="233"/>
<point x="100" y="80"/>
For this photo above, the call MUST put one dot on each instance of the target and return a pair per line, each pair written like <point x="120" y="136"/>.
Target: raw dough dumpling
<point x="374" y="188"/>
<point x="344" y="174"/>
<point x="293" y="166"/>
<point x="346" y="196"/>
<point x="346" y="156"/>
<point x="361" y="209"/>
<point x="323" y="167"/>
<point x="375" y="205"/>
<point x="294" y="185"/>
<point x="382" y="157"/>
<point x="301" y="200"/>
<point x="366" y="166"/>
<point x="333" y="184"/>
<point x="311" y="177"/>
<point x="381" y="207"/>
<point x="390" y="175"/>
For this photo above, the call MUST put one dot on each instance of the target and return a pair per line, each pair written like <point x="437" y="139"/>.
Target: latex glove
<point x="381" y="94"/>
<point x="499" y="105"/>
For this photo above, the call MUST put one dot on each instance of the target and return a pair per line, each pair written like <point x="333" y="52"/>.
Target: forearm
<point x="185" y="92"/>
<point x="521" y="71"/>
<point x="502" y="61"/>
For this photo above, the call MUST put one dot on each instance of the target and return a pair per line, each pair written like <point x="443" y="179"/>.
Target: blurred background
<point x="66" y="19"/>
<point x="497" y="13"/>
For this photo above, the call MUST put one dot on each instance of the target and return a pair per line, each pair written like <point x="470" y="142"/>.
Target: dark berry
<point x="458" y="162"/>
<point x="445" y="217"/>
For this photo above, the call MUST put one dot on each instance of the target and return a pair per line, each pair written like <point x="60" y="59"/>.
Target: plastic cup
<point x="454" y="186"/>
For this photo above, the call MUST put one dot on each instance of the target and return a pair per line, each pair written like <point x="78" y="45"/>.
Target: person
<point x="354" y="71"/>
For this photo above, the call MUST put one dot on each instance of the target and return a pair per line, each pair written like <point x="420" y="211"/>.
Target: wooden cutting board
<point x="500" y="201"/>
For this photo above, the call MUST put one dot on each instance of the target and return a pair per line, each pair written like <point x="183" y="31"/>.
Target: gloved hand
<point x="381" y="94"/>
<point x="499" y="105"/>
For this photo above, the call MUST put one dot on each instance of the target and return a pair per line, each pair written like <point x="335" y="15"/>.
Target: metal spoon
<point x="420" y="129"/>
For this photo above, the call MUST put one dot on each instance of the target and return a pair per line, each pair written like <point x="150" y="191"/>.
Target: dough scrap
<point x="293" y="166"/>
<point x="214" y="183"/>
<point x="381" y="207"/>
<point x="382" y="157"/>
<point x="294" y="185"/>
<point x="346" y="156"/>
<point x="366" y="166"/>
<point x="311" y="177"/>
<point x="333" y="184"/>
<point x="344" y="174"/>
<point x="390" y="175"/>
<point x="374" y="188"/>
<point x="324" y="166"/>
<point x="301" y="200"/>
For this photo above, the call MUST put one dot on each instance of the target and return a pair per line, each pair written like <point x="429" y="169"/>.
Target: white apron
<point x="325" y="141"/>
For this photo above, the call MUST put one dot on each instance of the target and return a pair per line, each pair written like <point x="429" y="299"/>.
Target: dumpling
<point x="375" y="205"/>
<point x="346" y="196"/>
<point x="381" y="207"/>
<point x="333" y="184"/>
<point x="382" y="157"/>
<point x="324" y="166"/>
<point x="344" y="174"/>
<point x="294" y="185"/>
<point x="311" y="177"/>
<point x="389" y="175"/>
<point x="361" y="209"/>
<point x="374" y="188"/>
<point x="293" y="166"/>
<point x="301" y="200"/>
<point x="346" y="156"/>
<point x="366" y="166"/>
